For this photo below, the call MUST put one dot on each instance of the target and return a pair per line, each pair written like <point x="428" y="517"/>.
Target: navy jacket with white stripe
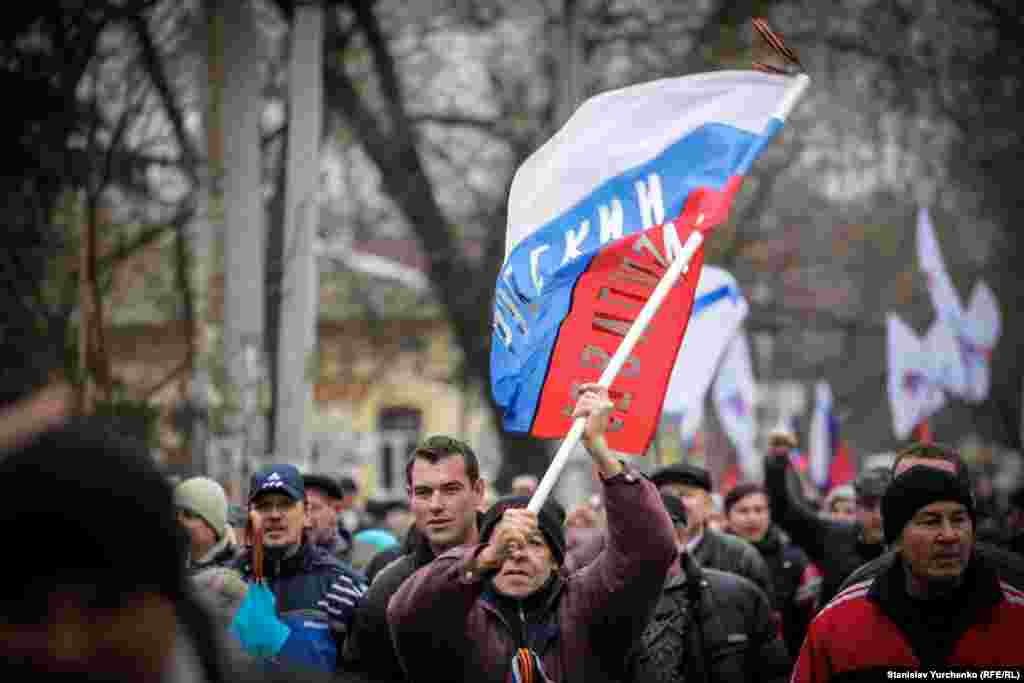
<point x="312" y="586"/>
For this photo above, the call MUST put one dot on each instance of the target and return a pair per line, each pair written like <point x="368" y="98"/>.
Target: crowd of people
<point x="116" y="574"/>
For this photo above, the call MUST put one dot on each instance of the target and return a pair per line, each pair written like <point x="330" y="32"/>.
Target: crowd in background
<point x="120" y="574"/>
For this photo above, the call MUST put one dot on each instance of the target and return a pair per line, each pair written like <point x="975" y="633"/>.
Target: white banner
<point x="975" y="330"/>
<point x="718" y="311"/>
<point x="915" y="373"/>
<point x="735" y="395"/>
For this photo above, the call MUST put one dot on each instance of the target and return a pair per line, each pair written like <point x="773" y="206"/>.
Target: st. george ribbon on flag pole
<point x="566" y="293"/>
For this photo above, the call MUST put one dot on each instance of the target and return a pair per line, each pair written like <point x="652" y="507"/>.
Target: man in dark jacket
<point x="939" y="607"/>
<point x="709" y="626"/>
<point x="836" y="547"/>
<point x="502" y="610"/>
<point x="323" y="497"/>
<point x="445" y="492"/>
<point x="314" y="593"/>
<point x="795" y="580"/>
<point x="711" y="549"/>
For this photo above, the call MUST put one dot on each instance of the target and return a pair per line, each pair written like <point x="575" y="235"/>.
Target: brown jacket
<point x="450" y="625"/>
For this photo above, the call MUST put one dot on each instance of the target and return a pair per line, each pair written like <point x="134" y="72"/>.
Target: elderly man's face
<point x="937" y="542"/>
<point x="526" y="569"/>
<point x="321" y="515"/>
<point x="696" y="500"/>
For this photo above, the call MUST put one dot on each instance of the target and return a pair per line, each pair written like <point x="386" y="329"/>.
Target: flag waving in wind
<point x="718" y="311"/>
<point x="735" y="394"/>
<point x="595" y="217"/>
<point x="917" y="368"/>
<point x="975" y="330"/>
<point x="830" y="463"/>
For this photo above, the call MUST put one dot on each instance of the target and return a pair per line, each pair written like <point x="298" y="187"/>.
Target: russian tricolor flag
<point x="829" y="462"/>
<point x="595" y="216"/>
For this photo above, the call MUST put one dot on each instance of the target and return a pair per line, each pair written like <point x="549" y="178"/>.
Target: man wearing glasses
<point x="314" y="593"/>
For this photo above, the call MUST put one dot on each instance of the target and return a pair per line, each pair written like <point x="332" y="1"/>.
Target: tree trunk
<point x="300" y="278"/>
<point x="243" y="227"/>
<point x="571" y="69"/>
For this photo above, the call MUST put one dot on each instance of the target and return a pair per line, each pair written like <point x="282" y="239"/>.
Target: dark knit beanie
<point x="551" y="521"/>
<point x="112" y="508"/>
<point x="912" y="490"/>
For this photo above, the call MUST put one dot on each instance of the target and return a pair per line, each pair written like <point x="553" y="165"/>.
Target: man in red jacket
<point x="939" y="607"/>
<point x="482" y="612"/>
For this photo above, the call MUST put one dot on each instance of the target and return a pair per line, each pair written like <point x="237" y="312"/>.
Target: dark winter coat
<point x="796" y="584"/>
<point x="731" y="637"/>
<point x="369" y="649"/>
<point x="728" y="553"/>
<point x="314" y="584"/>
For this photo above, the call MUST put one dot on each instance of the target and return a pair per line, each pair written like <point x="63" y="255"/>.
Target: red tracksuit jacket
<point x="873" y="628"/>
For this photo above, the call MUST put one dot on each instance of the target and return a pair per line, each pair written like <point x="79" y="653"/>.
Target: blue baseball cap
<point x="284" y="479"/>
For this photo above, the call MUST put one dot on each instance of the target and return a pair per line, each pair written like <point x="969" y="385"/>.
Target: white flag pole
<point x="679" y="266"/>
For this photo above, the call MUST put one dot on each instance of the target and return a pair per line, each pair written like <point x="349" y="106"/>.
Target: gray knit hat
<point x="204" y="497"/>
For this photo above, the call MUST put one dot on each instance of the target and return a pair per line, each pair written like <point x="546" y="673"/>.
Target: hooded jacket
<point x="448" y="625"/>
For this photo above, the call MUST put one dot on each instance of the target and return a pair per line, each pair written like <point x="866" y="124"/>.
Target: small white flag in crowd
<point x="975" y="330"/>
<point x="735" y="395"/>
<point x="718" y="311"/>
<point x="916" y="373"/>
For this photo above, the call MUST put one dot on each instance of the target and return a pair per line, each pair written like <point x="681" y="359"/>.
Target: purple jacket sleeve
<point x="621" y="586"/>
<point x="432" y="605"/>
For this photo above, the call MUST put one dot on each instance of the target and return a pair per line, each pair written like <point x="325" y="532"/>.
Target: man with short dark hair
<point x="712" y="549"/>
<point x="836" y="547"/>
<point x="795" y="580"/>
<point x="938" y="607"/>
<point x="445" y="491"/>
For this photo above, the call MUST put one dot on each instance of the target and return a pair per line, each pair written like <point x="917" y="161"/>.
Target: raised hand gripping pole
<point x="679" y="266"/>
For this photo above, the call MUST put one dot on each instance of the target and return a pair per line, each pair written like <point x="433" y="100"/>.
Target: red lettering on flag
<point x="607" y="298"/>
